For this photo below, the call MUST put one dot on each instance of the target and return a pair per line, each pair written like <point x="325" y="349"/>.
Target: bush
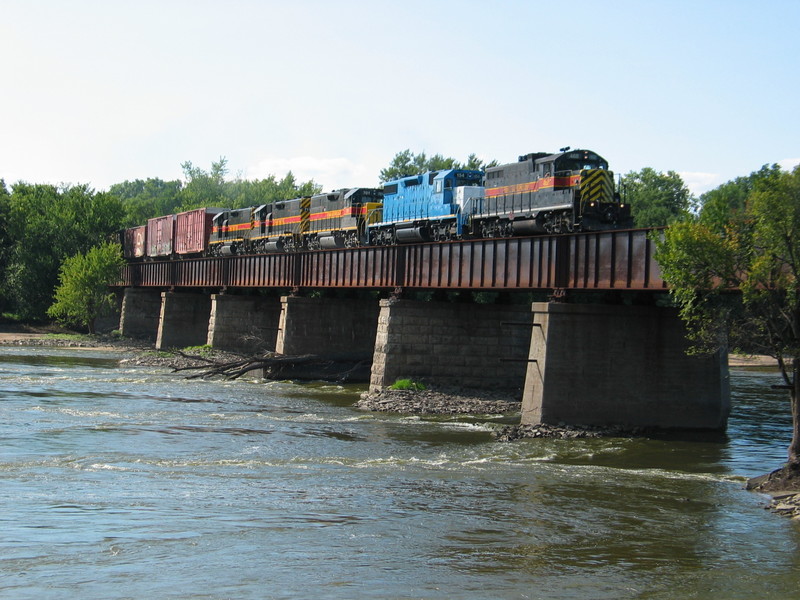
<point x="408" y="384"/>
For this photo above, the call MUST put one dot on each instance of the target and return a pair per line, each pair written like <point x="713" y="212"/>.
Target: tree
<point x="83" y="293"/>
<point x="757" y="251"/>
<point x="5" y="238"/>
<point x="407" y="163"/>
<point x="145" y="199"/>
<point x="204" y="188"/>
<point x="721" y="203"/>
<point x="210" y="188"/>
<point x="656" y="199"/>
<point x="45" y="225"/>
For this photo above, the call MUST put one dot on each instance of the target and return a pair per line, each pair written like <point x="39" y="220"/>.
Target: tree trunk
<point x="794" y="447"/>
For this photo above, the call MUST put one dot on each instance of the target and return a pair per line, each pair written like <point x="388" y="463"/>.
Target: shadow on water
<point x="60" y="360"/>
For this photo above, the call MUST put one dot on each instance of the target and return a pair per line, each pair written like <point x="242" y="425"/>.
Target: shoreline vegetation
<point x="783" y="485"/>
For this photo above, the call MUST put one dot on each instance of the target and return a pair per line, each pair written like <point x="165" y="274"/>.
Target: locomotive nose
<point x="597" y="186"/>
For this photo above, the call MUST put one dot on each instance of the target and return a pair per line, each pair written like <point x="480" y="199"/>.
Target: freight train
<point x="541" y="193"/>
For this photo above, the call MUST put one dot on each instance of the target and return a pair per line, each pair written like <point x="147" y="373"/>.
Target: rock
<point x="784" y="486"/>
<point x="439" y="401"/>
<point x="561" y="431"/>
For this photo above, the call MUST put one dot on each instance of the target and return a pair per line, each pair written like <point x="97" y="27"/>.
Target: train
<point x="541" y="193"/>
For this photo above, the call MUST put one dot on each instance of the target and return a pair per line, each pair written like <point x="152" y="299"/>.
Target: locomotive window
<point x="437" y="188"/>
<point x="390" y="189"/>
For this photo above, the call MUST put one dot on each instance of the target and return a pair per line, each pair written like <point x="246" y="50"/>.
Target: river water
<point x="129" y="482"/>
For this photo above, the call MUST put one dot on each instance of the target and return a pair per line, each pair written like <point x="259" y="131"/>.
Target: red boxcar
<point x="192" y="229"/>
<point x="160" y="233"/>
<point x="133" y="242"/>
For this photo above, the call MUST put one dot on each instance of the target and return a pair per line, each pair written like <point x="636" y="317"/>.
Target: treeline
<point x="143" y="200"/>
<point x="43" y="225"/>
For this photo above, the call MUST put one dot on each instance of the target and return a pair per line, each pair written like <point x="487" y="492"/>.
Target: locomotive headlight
<point x="591" y="204"/>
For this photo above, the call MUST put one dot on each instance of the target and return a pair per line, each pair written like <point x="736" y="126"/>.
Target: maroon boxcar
<point x="133" y="242"/>
<point x="192" y="229"/>
<point x="160" y="235"/>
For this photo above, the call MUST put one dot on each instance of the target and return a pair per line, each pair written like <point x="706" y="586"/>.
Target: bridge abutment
<point x="243" y="323"/>
<point x="141" y="310"/>
<point x="184" y="320"/>
<point x="620" y="365"/>
<point x="480" y="346"/>
<point x="333" y="328"/>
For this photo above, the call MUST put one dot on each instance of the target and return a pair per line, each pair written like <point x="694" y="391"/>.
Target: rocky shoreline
<point x="784" y="486"/>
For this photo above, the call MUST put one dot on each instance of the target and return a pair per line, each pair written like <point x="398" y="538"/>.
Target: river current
<point x="130" y="482"/>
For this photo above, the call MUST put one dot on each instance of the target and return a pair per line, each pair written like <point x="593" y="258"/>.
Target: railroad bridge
<point x="578" y="332"/>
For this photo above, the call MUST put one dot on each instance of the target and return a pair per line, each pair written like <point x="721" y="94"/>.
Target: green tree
<point x="407" y="163"/>
<point x="656" y="198"/>
<point x="45" y="225"/>
<point x="5" y="239"/>
<point x="210" y="188"/>
<point x="721" y="204"/>
<point x="83" y="293"/>
<point x="204" y="188"/>
<point x="758" y="252"/>
<point x="145" y="199"/>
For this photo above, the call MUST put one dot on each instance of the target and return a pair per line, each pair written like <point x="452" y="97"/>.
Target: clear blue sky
<point x="104" y="91"/>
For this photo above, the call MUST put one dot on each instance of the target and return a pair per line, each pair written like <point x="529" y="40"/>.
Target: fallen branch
<point x="277" y="366"/>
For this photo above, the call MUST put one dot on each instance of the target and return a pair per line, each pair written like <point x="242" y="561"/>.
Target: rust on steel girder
<point x="608" y="260"/>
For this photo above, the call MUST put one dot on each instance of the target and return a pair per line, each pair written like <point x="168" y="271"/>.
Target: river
<point x="129" y="482"/>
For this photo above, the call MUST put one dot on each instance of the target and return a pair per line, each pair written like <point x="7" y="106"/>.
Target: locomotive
<point x="541" y="193"/>
<point x="550" y="193"/>
<point x="325" y="221"/>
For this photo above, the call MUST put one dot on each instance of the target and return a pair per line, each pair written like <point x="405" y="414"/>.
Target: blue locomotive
<point x="433" y="206"/>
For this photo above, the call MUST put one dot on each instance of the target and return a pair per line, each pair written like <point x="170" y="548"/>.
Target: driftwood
<point x="278" y="366"/>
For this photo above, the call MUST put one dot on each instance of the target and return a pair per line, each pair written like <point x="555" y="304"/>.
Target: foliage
<point x="83" y="293"/>
<point x="46" y="224"/>
<point x="5" y="239"/>
<point x="656" y="198"/>
<point x="145" y="199"/>
<point x="204" y="351"/>
<point x="407" y="163"/>
<point x="757" y="251"/>
<point x="210" y="188"/>
<point x="728" y="200"/>
<point x="408" y="384"/>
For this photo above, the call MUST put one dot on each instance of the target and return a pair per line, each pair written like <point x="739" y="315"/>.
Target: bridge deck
<point x="611" y="260"/>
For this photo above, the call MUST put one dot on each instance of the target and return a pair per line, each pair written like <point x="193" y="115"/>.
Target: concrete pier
<point x="620" y="365"/>
<point x="481" y="346"/>
<point x="140" y="314"/>
<point x="333" y="328"/>
<point x="184" y="320"/>
<point x="243" y="323"/>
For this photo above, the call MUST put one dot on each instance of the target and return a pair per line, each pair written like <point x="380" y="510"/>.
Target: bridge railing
<point x="608" y="260"/>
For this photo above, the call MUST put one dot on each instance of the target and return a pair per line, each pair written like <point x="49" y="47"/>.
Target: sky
<point x="101" y="92"/>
